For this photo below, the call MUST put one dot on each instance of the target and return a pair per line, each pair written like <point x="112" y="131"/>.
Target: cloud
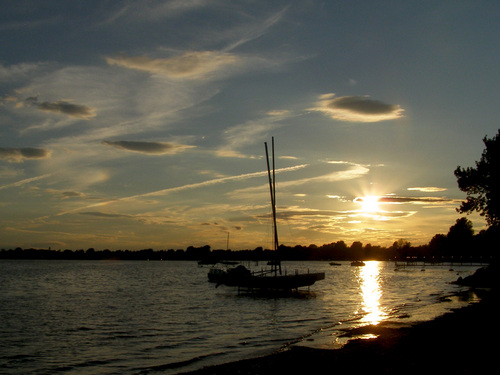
<point x="25" y="181"/>
<point x="289" y="214"/>
<point x="105" y="215"/>
<point x="63" y="107"/>
<point x="357" y="108"/>
<point x="152" y="148"/>
<point x="278" y="112"/>
<point x="196" y="185"/>
<point x="415" y="200"/>
<point x="7" y="172"/>
<point x="237" y="137"/>
<point x="428" y="189"/>
<point x="190" y="65"/>
<point x="381" y="215"/>
<point x="154" y="11"/>
<point x="63" y="194"/>
<point x="11" y="100"/>
<point x="353" y="172"/>
<point x="19" y="71"/>
<point x="17" y="155"/>
<point x="250" y="33"/>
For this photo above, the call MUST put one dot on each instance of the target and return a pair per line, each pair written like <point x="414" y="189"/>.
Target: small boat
<point x="335" y="264"/>
<point x="215" y="274"/>
<point x="219" y="270"/>
<point x="271" y="279"/>
<point x="357" y="263"/>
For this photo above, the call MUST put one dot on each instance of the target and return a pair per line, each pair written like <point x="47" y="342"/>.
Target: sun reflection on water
<point x="371" y="291"/>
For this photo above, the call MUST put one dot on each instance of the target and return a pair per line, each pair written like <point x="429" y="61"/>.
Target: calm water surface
<point x="105" y="317"/>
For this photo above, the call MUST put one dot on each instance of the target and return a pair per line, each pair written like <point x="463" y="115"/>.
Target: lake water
<point x="127" y="317"/>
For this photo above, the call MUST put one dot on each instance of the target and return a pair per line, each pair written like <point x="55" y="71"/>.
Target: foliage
<point x="482" y="183"/>
<point x="461" y="231"/>
<point x="459" y="244"/>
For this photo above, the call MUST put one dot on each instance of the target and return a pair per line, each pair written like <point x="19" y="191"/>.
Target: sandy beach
<point x="460" y="342"/>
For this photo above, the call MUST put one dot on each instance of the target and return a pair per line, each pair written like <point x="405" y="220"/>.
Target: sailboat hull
<point x="278" y="282"/>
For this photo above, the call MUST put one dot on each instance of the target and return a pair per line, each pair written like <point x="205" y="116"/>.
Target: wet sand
<point x="460" y="342"/>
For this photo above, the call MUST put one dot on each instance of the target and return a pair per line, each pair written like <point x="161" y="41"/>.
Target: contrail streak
<point x="25" y="181"/>
<point x="186" y="187"/>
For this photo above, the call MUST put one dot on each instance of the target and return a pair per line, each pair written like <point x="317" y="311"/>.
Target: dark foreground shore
<point x="460" y="342"/>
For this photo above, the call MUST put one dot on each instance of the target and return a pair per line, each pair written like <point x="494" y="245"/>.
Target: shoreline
<point x="460" y="341"/>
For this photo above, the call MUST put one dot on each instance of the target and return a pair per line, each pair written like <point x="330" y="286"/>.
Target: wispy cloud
<point x="237" y="137"/>
<point x="189" y="65"/>
<point x="152" y="148"/>
<point x="17" y="155"/>
<point x="278" y="112"/>
<point x="417" y="200"/>
<point x="25" y="181"/>
<point x="105" y="215"/>
<point x="392" y="199"/>
<point x="154" y="10"/>
<point x="357" y="108"/>
<point x="353" y="171"/>
<point x="19" y="71"/>
<point x="186" y="187"/>
<point x="7" y="172"/>
<point x="257" y="30"/>
<point x="341" y="215"/>
<point x="380" y="215"/>
<point x="428" y="189"/>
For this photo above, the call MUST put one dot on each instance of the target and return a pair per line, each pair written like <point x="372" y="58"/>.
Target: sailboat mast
<point x="276" y="242"/>
<point x="272" y="189"/>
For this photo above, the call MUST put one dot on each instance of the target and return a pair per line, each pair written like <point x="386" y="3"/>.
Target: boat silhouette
<point x="273" y="278"/>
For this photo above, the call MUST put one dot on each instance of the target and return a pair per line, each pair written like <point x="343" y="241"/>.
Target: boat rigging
<point x="272" y="280"/>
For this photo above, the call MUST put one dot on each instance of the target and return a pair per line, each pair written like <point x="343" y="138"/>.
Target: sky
<point x="141" y="124"/>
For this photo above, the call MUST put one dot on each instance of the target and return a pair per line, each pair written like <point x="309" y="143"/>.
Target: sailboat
<point x="272" y="279"/>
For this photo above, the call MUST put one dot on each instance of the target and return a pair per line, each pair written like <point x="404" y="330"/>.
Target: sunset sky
<point x="141" y="124"/>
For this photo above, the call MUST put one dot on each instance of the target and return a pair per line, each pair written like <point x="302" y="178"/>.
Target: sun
<point x="369" y="203"/>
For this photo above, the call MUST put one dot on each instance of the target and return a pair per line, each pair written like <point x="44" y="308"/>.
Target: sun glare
<point x="371" y="292"/>
<point x="369" y="203"/>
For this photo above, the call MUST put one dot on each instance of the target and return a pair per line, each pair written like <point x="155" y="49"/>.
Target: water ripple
<point x="140" y="317"/>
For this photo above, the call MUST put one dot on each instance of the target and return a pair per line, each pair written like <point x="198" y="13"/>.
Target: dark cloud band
<point x="154" y="148"/>
<point x="17" y="155"/>
<point x="357" y="108"/>
<point x="63" y="107"/>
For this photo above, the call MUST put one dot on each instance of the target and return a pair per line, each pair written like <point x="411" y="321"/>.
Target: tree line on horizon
<point x="481" y="184"/>
<point x="460" y="243"/>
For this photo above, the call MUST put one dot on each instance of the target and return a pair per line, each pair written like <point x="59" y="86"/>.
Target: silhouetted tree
<point x="460" y="236"/>
<point x="356" y="250"/>
<point x="438" y="245"/>
<point x="198" y="252"/>
<point x="341" y="250"/>
<point x="482" y="184"/>
<point x="402" y="248"/>
<point x="462" y="230"/>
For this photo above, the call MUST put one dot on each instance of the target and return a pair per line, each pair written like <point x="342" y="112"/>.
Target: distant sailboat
<point x="357" y="263"/>
<point x="220" y="267"/>
<point x="273" y="278"/>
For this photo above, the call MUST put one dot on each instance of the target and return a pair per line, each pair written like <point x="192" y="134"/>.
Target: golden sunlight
<point x="371" y="292"/>
<point x="369" y="203"/>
